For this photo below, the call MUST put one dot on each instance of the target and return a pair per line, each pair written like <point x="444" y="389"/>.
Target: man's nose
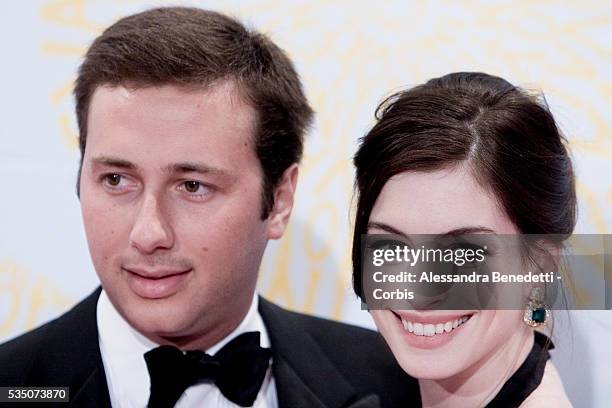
<point x="151" y="230"/>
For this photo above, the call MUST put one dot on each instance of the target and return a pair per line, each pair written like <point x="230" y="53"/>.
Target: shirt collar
<point x="122" y="348"/>
<point x="119" y="336"/>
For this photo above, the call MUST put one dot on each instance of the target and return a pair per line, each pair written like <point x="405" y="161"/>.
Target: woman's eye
<point x="386" y="244"/>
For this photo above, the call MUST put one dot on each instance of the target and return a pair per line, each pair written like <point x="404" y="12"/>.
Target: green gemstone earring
<point x="536" y="314"/>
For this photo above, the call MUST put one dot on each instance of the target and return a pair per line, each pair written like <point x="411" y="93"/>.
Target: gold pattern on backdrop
<point x="30" y="299"/>
<point x="349" y="61"/>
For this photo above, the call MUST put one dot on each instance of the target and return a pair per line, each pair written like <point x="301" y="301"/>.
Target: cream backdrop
<point x="350" y="54"/>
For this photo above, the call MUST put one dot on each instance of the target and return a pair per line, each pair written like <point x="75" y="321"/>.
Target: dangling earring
<point x="536" y="314"/>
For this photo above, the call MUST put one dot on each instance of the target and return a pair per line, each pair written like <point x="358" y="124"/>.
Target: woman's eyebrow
<point x="454" y="232"/>
<point x="467" y="230"/>
<point x="389" y="229"/>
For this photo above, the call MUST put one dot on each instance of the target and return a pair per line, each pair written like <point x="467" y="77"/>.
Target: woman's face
<point x="439" y="202"/>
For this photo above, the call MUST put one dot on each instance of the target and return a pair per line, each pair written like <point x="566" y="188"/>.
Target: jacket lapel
<point x="72" y="356"/>
<point x="93" y="392"/>
<point x="304" y="376"/>
<point x="371" y="401"/>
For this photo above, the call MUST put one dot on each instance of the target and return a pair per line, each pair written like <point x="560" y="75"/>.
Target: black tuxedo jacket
<point x="316" y="363"/>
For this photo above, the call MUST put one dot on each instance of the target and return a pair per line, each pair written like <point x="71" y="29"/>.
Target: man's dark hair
<point x="197" y="48"/>
<point x="508" y="138"/>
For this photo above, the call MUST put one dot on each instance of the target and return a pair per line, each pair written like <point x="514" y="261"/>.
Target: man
<point x="191" y="129"/>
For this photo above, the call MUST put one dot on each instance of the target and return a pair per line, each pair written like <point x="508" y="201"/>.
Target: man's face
<point x="171" y="201"/>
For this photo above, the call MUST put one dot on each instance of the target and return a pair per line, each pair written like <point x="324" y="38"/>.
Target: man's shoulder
<point x="327" y="330"/>
<point x="352" y="348"/>
<point x="21" y="358"/>
<point x="329" y="354"/>
<point x="17" y="355"/>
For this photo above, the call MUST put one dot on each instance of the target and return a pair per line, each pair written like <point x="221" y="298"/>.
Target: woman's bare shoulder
<point x="550" y="392"/>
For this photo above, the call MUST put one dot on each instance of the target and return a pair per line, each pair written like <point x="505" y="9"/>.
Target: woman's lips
<point x="430" y="331"/>
<point x="155" y="284"/>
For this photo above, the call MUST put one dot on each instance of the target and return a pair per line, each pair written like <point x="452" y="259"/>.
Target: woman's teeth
<point x="430" y="329"/>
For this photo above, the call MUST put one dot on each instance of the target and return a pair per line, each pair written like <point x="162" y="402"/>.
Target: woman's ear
<point x="283" y="202"/>
<point x="547" y="256"/>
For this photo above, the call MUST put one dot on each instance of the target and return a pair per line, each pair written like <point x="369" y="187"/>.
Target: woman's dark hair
<point x="506" y="137"/>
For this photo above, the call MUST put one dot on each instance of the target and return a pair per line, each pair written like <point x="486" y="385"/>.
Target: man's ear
<point x="283" y="202"/>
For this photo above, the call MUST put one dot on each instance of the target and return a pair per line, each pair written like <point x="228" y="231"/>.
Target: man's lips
<point x="156" y="284"/>
<point x="155" y="273"/>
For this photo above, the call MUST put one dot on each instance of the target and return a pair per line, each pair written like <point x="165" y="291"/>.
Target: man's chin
<point x="160" y="329"/>
<point x="155" y="319"/>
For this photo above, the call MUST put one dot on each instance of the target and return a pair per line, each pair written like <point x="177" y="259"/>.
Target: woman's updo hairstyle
<point x="506" y="136"/>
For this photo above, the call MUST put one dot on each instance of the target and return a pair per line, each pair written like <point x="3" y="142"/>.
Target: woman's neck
<point x="479" y="384"/>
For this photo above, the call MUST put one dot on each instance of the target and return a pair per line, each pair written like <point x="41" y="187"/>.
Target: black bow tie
<point x="238" y="370"/>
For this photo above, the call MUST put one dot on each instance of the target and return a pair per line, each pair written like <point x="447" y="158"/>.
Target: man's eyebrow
<point x="113" y="162"/>
<point x="192" y="167"/>
<point x="186" y="167"/>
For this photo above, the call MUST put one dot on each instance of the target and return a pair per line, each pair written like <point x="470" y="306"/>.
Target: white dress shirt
<point x="127" y="376"/>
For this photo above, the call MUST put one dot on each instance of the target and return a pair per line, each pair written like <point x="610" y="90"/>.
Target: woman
<point x="467" y="152"/>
